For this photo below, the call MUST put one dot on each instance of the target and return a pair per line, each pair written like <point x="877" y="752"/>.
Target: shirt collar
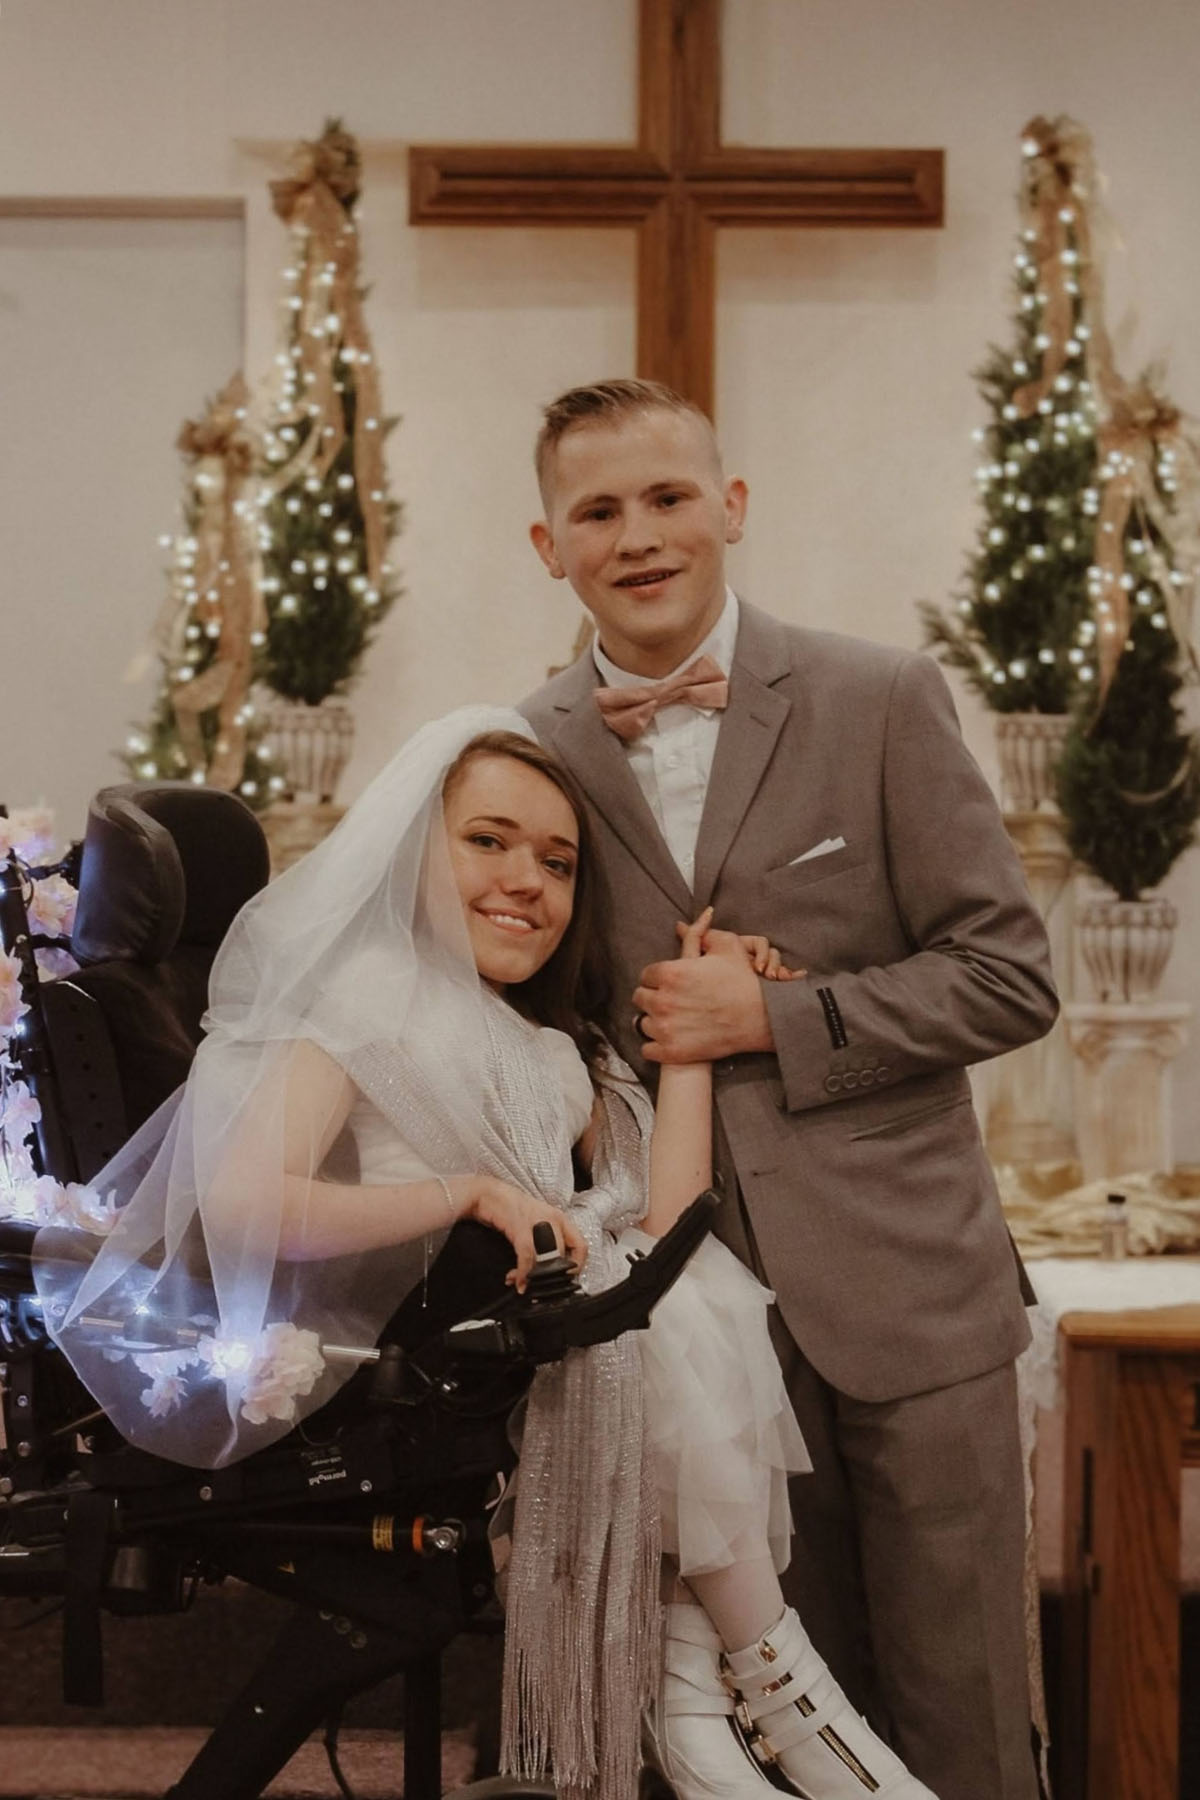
<point x="719" y="644"/>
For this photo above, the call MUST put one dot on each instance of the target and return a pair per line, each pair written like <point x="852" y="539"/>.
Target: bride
<point x="408" y="1029"/>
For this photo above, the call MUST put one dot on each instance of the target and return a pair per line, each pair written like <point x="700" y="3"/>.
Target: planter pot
<point x="1125" y="945"/>
<point x="1029" y="746"/>
<point x="309" y="745"/>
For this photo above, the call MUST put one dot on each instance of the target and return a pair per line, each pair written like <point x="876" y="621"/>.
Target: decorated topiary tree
<point x="202" y="726"/>
<point x="1129" y="774"/>
<point x="1020" y="631"/>
<point x="326" y="515"/>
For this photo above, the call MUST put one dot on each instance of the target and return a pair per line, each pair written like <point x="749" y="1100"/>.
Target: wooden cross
<point x="676" y="185"/>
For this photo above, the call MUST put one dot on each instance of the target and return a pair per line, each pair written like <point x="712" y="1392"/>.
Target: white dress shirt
<point x="672" y="759"/>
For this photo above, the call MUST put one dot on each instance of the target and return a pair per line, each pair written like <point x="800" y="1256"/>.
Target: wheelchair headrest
<point x="164" y="864"/>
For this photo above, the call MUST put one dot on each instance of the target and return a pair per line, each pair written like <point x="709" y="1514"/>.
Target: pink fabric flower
<point x="52" y="907"/>
<point x="53" y="962"/>
<point x="89" y="1210"/>
<point x="164" y="1395"/>
<point x="41" y="1200"/>
<point x="19" y="1111"/>
<point x="12" y="1007"/>
<point x="32" y="830"/>
<point x="38" y="1200"/>
<point x="287" y="1362"/>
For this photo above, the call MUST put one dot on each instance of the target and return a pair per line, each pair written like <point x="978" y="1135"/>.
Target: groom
<point x="815" y="789"/>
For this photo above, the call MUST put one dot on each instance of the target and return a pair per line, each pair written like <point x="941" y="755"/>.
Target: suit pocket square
<point x="824" y="848"/>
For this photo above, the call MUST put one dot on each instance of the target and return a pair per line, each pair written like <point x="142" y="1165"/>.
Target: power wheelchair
<point x="372" y="1516"/>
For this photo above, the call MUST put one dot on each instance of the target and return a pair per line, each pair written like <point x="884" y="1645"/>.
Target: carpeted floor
<point x="140" y="1764"/>
<point x="179" y="1671"/>
<point x="168" y="1679"/>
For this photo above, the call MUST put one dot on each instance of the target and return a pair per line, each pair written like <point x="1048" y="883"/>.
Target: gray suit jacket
<point x="855" y="1146"/>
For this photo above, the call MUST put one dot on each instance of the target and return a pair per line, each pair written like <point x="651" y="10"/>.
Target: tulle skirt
<point x="723" y="1432"/>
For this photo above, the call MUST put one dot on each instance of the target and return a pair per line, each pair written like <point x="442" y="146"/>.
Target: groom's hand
<point x="700" y="1009"/>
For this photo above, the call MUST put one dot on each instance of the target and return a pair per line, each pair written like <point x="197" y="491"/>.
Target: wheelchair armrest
<point x="16" y="1240"/>
<point x="543" y="1331"/>
<point x="65" y="1245"/>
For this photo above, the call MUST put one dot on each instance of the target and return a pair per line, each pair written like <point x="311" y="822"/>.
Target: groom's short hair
<point x="607" y="403"/>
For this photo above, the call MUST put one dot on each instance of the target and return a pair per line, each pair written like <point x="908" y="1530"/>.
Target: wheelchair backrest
<point x="165" y="868"/>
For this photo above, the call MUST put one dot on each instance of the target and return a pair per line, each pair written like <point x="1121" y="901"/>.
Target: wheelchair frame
<point x="373" y="1520"/>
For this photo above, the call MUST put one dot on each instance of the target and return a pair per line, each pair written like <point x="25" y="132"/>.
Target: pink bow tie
<point x="628" y="710"/>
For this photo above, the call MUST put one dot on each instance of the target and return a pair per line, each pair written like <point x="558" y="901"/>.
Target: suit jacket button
<point x="833" y="1084"/>
<point x="850" y="1079"/>
<point x="866" y="1077"/>
<point x="882" y="1073"/>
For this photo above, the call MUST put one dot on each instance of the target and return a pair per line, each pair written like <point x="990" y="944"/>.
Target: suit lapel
<point x="749" y="732"/>
<point x="596" y="756"/>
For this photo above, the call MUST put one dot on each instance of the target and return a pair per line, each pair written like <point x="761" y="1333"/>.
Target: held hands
<point x="710" y="1002"/>
<point x="762" y="956"/>
<point x="513" y="1212"/>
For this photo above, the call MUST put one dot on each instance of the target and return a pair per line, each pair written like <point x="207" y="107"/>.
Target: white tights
<point x="742" y="1601"/>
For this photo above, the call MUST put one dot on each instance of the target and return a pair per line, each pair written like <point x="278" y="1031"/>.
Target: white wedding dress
<point x="722" y="1431"/>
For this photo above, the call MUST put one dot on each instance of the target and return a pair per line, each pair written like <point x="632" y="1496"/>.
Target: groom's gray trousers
<point x="908" y="1564"/>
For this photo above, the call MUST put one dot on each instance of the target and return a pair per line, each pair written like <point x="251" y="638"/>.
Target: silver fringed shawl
<point x="583" y="1626"/>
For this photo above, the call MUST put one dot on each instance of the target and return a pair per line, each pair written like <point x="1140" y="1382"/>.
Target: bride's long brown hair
<point x="573" y="990"/>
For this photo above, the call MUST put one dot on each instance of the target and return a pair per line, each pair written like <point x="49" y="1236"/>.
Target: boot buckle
<point x="758" y="1746"/>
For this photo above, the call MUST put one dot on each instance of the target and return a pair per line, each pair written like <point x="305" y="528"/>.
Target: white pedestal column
<point x="1123" y="1083"/>
<point x="1029" y="1105"/>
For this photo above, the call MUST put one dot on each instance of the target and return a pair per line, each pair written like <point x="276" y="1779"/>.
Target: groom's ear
<point x="543" y="543"/>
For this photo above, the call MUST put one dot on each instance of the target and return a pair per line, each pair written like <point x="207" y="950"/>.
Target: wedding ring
<point x="637" y="1024"/>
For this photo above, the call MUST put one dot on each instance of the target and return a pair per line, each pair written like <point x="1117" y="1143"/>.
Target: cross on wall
<point x="675" y="187"/>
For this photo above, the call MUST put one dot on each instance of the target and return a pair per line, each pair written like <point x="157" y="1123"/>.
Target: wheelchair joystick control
<point x="544" y="1241"/>
<point x="552" y="1276"/>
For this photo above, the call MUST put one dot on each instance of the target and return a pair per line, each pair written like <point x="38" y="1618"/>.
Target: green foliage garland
<point x="1129" y="776"/>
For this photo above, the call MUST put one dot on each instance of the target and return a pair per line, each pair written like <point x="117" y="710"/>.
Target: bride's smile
<point x="514" y="846"/>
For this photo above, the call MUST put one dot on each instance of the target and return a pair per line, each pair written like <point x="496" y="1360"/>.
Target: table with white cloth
<point x="1114" y="1373"/>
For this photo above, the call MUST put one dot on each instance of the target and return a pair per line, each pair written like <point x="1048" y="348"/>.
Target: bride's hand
<point x="757" y="952"/>
<point x="513" y="1212"/>
<point x="691" y="937"/>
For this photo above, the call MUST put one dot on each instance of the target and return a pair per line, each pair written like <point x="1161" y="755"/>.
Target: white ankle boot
<point x="796" y="1717"/>
<point x="691" y="1731"/>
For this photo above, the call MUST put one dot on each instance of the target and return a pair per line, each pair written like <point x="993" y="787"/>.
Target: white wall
<point x="111" y="332"/>
<point x="843" y="368"/>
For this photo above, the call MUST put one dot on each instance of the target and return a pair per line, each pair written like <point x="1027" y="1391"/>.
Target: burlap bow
<point x="316" y="204"/>
<point x="1142" y="426"/>
<point x="226" y="579"/>
<point x="1060" y="199"/>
